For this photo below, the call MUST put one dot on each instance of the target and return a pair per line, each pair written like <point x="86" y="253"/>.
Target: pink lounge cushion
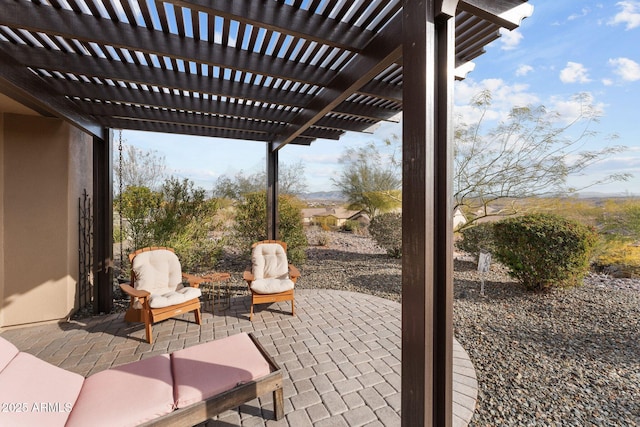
<point x="7" y="352"/>
<point x="127" y="395"/>
<point x="207" y="370"/>
<point x="45" y="393"/>
<point x="271" y="286"/>
<point x="173" y="298"/>
<point x="269" y="261"/>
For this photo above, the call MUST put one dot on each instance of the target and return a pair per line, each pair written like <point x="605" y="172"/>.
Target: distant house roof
<point x="338" y="212"/>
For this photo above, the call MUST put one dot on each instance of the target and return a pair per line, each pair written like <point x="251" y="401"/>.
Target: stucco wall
<point x="46" y="165"/>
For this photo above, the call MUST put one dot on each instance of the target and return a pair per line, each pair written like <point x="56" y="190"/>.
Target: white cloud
<point x="626" y="68"/>
<point x="510" y="39"/>
<point x="607" y="82"/>
<point x="629" y="15"/>
<point x="584" y="12"/>
<point x="574" y="73"/>
<point x="523" y="70"/>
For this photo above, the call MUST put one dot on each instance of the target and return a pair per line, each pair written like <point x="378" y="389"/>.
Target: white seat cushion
<point x="173" y="298"/>
<point x="271" y="286"/>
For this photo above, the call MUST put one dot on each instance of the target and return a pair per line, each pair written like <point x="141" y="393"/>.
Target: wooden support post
<point x="103" y="223"/>
<point x="427" y="252"/>
<point x="272" y="192"/>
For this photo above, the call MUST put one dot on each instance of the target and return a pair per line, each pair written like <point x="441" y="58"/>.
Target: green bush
<point x="543" y="250"/>
<point x="351" y="226"/>
<point x="251" y="224"/>
<point x="178" y="217"/>
<point x="386" y="230"/>
<point x="476" y="239"/>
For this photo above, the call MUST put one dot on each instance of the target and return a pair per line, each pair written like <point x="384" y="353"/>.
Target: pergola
<point x="281" y="72"/>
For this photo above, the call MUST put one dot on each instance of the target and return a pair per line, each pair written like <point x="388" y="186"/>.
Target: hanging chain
<point x="120" y="204"/>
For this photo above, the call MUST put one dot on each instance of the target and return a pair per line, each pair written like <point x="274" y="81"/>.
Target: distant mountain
<point x="599" y="195"/>
<point x="323" y="195"/>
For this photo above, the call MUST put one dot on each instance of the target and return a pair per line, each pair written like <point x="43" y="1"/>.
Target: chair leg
<point x="251" y="313"/>
<point x="196" y="313"/>
<point x="147" y="326"/>
<point x="293" y="311"/>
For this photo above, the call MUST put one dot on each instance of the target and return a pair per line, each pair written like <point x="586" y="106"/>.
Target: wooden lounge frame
<point x="202" y="411"/>
<point x="91" y="397"/>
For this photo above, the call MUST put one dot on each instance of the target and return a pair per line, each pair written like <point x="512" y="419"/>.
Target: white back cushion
<point x="157" y="271"/>
<point x="269" y="261"/>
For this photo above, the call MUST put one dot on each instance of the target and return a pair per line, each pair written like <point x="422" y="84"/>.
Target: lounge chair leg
<point x="251" y="314"/>
<point x="196" y="313"/>
<point x="293" y="311"/>
<point x="148" y="332"/>
<point x="278" y="404"/>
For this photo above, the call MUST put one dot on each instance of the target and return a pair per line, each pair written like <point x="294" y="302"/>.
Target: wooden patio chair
<point x="270" y="277"/>
<point x="156" y="288"/>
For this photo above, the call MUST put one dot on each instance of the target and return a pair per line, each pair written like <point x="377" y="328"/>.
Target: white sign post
<point x="484" y="262"/>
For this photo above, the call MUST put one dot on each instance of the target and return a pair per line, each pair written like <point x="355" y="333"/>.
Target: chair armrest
<point x="218" y="277"/>
<point x="294" y="273"/>
<point x="131" y="291"/>
<point x="248" y="275"/>
<point x="194" y="281"/>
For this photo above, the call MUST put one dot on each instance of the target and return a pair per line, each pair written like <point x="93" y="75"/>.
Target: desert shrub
<point x="618" y="258"/>
<point x="324" y="239"/>
<point x="543" y="250"/>
<point x="178" y="216"/>
<point x="476" y="239"/>
<point x="350" y="226"/>
<point x="620" y="220"/>
<point x="184" y="221"/>
<point x="118" y="235"/>
<point x="386" y="230"/>
<point x="251" y="223"/>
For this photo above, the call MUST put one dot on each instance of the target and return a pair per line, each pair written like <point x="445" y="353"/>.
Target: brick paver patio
<point x="340" y="355"/>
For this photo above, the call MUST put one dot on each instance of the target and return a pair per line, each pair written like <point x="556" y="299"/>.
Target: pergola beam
<point x="150" y="98"/>
<point x="86" y="28"/>
<point x="39" y="58"/>
<point x="285" y="19"/>
<point x="500" y="12"/>
<point x="28" y="89"/>
<point x="384" y="50"/>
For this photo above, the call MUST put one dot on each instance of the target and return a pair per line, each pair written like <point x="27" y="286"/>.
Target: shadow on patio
<point x="340" y="355"/>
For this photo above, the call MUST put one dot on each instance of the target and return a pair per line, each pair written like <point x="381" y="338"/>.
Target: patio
<point x="340" y="354"/>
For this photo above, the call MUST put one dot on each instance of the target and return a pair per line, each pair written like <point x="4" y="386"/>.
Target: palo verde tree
<point x="291" y="181"/>
<point x="370" y="181"/>
<point x="532" y="152"/>
<point x="139" y="168"/>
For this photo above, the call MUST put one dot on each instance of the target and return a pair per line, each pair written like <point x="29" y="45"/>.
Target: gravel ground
<point x="562" y="358"/>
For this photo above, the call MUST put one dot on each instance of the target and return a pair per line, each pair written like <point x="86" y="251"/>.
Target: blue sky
<point x="566" y="47"/>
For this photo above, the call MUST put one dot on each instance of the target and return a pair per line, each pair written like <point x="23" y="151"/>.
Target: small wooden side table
<point x="215" y="289"/>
